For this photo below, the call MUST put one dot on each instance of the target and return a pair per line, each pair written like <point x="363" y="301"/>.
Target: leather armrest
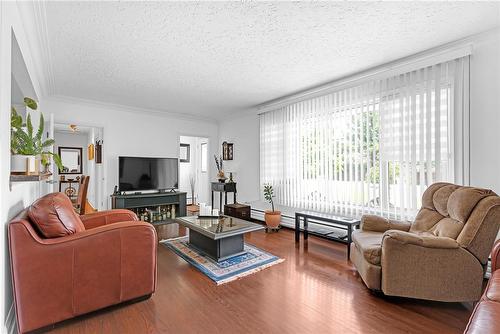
<point x="380" y="224"/>
<point x="100" y="230"/>
<point x="106" y="217"/>
<point x="59" y="278"/>
<point x="421" y="240"/>
<point x="495" y="256"/>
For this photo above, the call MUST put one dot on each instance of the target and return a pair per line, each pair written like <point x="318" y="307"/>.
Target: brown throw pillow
<point x="54" y="216"/>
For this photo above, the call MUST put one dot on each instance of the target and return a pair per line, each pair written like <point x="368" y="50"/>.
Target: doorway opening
<point x="77" y="147"/>
<point x="193" y="170"/>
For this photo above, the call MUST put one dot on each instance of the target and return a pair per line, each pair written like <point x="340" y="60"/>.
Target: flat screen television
<point x="138" y="174"/>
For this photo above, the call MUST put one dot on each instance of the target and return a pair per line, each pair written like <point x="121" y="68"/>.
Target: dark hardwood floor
<point x="314" y="291"/>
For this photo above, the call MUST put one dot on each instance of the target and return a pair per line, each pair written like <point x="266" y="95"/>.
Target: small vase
<point x="221" y="177"/>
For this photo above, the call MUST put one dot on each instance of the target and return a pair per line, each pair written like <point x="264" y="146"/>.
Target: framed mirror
<point x="71" y="158"/>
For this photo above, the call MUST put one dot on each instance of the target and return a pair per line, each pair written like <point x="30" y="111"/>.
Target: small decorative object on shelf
<point x="220" y="168"/>
<point x="231" y="177"/>
<point x="227" y="151"/>
<point x="27" y="146"/>
<point x="272" y="217"/>
<point x="156" y="214"/>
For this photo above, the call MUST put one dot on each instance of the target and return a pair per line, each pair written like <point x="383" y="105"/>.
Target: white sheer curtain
<point x="370" y="148"/>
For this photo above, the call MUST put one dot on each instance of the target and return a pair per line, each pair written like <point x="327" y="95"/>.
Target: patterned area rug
<point x="253" y="260"/>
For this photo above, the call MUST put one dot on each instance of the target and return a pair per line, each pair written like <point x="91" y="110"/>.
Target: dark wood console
<point x="176" y="201"/>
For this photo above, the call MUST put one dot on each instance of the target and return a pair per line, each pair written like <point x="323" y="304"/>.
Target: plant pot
<point x="24" y="164"/>
<point x="272" y="218"/>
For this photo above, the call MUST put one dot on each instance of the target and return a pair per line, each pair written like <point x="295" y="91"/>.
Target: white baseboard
<point x="10" y="321"/>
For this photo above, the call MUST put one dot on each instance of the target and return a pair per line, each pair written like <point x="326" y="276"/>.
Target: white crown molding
<point x="448" y="51"/>
<point x="40" y="18"/>
<point x="130" y="109"/>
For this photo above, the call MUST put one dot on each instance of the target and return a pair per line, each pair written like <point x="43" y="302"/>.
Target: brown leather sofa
<point x="64" y="265"/>
<point x="485" y="318"/>
<point x="442" y="255"/>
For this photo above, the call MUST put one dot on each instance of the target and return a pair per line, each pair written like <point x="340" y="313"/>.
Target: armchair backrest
<point x="467" y="214"/>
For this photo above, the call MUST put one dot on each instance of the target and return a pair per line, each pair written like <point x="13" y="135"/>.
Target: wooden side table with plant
<point x="272" y="217"/>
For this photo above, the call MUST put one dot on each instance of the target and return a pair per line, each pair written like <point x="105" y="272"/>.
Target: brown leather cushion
<point x="484" y="319"/>
<point x="54" y="216"/>
<point x="493" y="291"/>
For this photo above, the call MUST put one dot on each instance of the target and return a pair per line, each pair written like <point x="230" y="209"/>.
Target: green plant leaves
<point x="22" y="140"/>
<point x="29" y="126"/>
<point x="39" y="133"/>
<point x="269" y="194"/>
<point x="16" y="121"/>
<point x="47" y="143"/>
<point x="57" y="160"/>
<point x="30" y="103"/>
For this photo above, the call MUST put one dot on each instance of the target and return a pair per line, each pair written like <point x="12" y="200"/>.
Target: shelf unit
<point x="151" y="201"/>
<point x="29" y="178"/>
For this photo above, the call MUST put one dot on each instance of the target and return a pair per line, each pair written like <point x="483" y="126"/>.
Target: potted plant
<point x="272" y="217"/>
<point x="26" y="146"/>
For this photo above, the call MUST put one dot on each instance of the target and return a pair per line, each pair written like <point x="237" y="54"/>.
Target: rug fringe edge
<point x="230" y="279"/>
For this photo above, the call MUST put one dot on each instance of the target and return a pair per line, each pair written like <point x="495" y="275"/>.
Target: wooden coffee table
<point x="219" y="238"/>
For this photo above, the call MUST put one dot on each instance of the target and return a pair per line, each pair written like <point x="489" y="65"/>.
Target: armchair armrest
<point x="79" y="273"/>
<point x="421" y="240"/>
<point x="380" y="224"/>
<point x="495" y="256"/>
<point x="106" y="217"/>
<point x="429" y="267"/>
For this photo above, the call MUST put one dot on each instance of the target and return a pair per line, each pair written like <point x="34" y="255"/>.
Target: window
<point x="371" y="148"/>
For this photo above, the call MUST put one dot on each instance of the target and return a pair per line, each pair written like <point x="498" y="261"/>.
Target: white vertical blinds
<point x="370" y="148"/>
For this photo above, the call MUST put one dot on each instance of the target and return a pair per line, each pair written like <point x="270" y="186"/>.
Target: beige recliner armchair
<point x="441" y="256"/>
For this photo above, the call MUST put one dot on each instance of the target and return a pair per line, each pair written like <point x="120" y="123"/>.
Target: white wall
<point x="193" y="168"/>
<point x="186" y="169"/>
<point x="130" y="131"/>
<point x="485" y="112"/>
<point x="244" y="133"/>
<point x="15" y="197"/>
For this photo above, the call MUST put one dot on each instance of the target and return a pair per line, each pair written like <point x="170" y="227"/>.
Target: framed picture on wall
<point x="184" y="154"/>
<point x="227" y="151"/>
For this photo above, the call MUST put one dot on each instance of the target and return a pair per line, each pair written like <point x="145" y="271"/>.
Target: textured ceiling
<point x="217" y="59"/>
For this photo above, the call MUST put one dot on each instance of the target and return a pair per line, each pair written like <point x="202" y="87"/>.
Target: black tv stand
<point x="134" y="201"/>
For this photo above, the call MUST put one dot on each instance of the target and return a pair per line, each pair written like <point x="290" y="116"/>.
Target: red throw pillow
<point x="54" y="216"/>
